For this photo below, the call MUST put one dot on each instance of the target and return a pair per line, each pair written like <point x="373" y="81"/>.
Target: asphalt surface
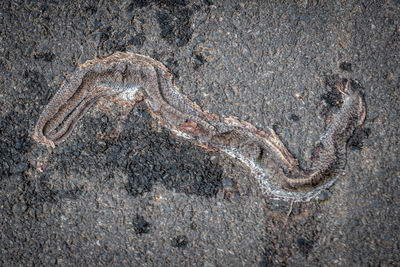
<point x="124" y="190"/>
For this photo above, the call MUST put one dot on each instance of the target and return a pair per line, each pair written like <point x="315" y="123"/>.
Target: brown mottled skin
<point x="330" y="153"/>
<point x="122" y="72"/>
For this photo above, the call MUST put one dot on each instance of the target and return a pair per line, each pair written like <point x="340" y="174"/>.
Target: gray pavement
<point x="125" y="191"/>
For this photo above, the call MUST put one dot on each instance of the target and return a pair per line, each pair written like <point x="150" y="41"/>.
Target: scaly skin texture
<point x="331" y="149"/>
<point x="132" y="77"/>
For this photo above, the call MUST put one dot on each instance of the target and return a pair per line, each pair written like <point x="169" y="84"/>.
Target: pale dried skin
<point x="134" y="77"/>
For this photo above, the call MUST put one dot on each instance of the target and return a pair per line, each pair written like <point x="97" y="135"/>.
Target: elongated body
<point x="134" y="77"/>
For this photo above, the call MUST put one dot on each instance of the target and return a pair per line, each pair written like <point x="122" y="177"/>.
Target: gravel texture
<point x="124" y="190"/>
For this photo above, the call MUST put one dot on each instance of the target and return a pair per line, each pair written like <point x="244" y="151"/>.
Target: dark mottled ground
<point x="123" y="190"/>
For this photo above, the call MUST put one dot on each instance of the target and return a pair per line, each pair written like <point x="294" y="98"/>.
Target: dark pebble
<point x="346" y="66"/>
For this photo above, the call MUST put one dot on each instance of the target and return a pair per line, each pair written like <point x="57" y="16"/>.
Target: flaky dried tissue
<point x="133" y="77"/>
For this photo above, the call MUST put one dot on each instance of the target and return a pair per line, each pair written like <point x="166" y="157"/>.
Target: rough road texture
<point x="124" y="190"/>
